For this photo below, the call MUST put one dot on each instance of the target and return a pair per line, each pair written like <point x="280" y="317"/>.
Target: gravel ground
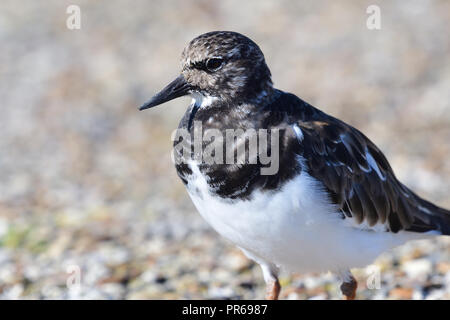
<point x="88" y="191"/>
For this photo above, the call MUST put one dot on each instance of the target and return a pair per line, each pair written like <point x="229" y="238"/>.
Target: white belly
<point x="296" y="229"/>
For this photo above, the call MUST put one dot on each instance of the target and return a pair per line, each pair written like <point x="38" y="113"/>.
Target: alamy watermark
<point x="73" y="21"/>
<point x="373" y="22"/>
<point x="230" y="146"/>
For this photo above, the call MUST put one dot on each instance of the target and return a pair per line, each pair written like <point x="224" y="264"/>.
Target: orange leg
<point x="273" y="290"/>
<point x="348" y="287"/>
<point x="270" y="273"/>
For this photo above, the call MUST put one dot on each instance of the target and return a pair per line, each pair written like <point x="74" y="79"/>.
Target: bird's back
<point x="357" y="175"/>
<point x="354" y="173"/>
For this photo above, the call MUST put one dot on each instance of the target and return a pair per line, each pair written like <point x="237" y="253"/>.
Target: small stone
<point x="293" y="296"/>
<point x="112" y="290"/>
<point x="220" y="293"/>
<point x="14" y="292"/>
<point x="318" y="297"/>
<point x="417" y="269"/>
<point x="238" y="261"/>
<point x="401" y="293"/>
<point x="443" y="267"/>
<point x="311" y="282"/>
<point x="160" y="279"/>
<point x="436" y="295"/>
<point x="248" y="285"/>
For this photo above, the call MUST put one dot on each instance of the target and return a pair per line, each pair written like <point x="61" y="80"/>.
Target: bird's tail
<point x="432" y="217"/>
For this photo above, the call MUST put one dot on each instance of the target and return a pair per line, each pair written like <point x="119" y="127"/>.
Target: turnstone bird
<point x="333" y="201"/>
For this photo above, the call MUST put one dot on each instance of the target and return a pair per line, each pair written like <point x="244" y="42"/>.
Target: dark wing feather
<point x="359" y="178"/>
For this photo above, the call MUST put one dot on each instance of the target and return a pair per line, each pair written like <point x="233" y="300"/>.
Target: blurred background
<point x="87" y="182"/>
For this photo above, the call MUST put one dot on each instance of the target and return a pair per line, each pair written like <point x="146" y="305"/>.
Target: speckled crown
<point x="244" y="73"/>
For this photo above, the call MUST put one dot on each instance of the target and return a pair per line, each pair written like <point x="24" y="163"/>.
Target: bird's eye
<point x="214" y="64"/>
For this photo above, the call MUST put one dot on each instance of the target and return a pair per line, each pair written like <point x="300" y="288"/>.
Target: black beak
<point x="177" y="88"/>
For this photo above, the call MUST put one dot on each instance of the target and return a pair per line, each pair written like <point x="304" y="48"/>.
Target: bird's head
<point x="222" y="64"/>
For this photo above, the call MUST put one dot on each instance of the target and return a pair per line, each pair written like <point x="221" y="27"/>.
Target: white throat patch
<point x="202" y="101"/>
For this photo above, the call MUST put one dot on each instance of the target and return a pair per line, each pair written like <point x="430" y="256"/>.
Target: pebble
<point x="401" y="293"/>
<point x="419" y="268"/>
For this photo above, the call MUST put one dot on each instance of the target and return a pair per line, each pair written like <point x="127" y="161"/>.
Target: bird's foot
<point x="273" y="290"/>
<point x="348" y="288"/>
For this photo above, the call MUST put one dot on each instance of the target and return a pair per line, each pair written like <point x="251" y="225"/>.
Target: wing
<point x="360" y="180"/>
